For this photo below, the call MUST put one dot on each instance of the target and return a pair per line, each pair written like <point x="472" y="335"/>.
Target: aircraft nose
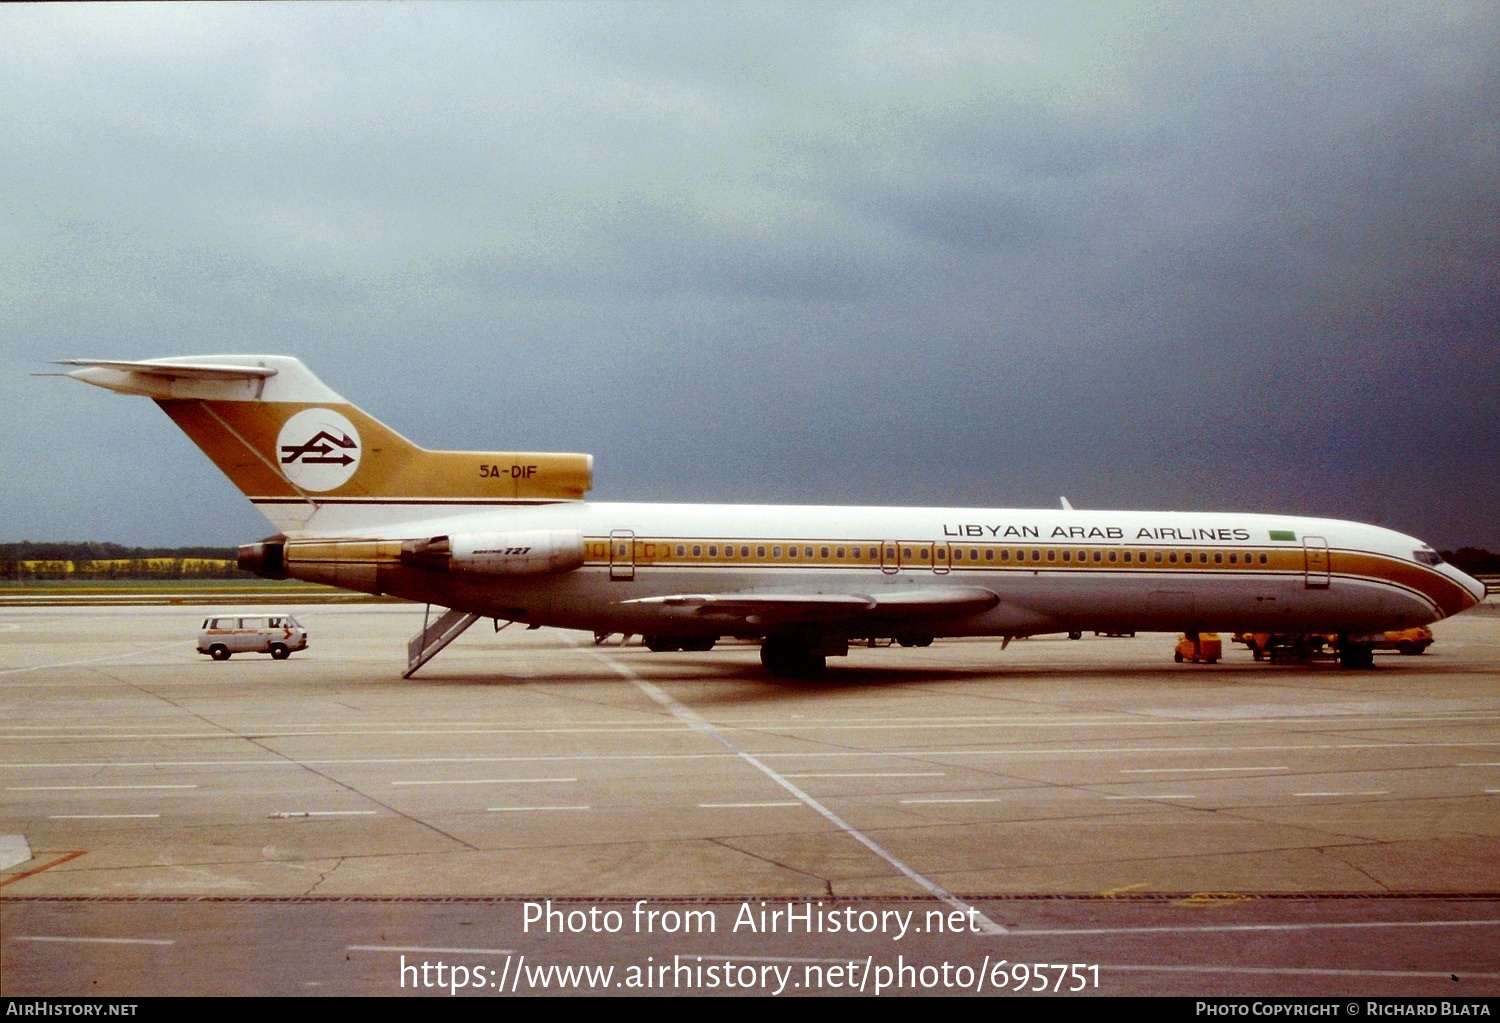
<point x="1475" y="589"/>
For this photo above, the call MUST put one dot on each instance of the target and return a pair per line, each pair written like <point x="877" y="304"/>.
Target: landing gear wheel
<point x="789" y="658"/>
<point x="699" y="644"/>
<point x="662" y="644"/>
<point x="1356" y="655"/>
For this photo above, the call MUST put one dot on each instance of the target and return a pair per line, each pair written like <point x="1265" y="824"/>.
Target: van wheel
<point x="280" y="652"/>
<point x="219" y="652"/>
<point x="1177" y="656"/>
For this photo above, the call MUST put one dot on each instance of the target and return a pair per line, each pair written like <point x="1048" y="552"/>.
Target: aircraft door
<point x="890" y="557"/>
<point x="621" y="555"/>
<point x="1315" y="551"/>
<point x="941" y="555"/>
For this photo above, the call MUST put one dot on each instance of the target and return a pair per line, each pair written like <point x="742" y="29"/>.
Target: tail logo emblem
<point x="318" y="449"/>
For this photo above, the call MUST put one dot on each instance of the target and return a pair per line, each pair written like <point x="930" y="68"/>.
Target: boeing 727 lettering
<point x="509" y="536"/>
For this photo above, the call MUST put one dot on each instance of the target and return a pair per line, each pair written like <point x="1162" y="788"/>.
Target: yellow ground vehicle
<point x="1407" y="641"/>
<point x="1200" y="648"/>
<point x="1300" y="646"/>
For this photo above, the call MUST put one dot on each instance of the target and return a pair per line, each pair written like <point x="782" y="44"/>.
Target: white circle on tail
<point x="318" y="449"/>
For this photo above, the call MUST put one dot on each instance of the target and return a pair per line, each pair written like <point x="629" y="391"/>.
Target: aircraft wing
<point x="783" y="607"/>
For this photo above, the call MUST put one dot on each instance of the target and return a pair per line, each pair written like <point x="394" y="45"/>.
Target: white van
<point x="277" y="635"/>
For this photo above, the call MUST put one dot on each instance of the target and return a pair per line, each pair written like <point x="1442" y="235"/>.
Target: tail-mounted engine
<point x="524" y="552"/>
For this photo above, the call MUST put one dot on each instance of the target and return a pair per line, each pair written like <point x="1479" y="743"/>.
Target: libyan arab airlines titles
<point x="976" y="530"/>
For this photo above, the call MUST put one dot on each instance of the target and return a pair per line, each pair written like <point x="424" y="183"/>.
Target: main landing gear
<point x="791" y="657"/>
<point x="1355" y="655"/>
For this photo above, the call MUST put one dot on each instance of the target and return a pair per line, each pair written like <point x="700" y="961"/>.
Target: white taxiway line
<point x="486" y="781"/>
<point x="90" y="660"/>
<point x="425" y="950"/>
<point x="527" y="809"/>
<point x="873" y="774"/>
<point x="93" y="941"/>
<point x="1325" y="795"/>
<point x="101" y="816"/>
<point x="1194" y="770"/>
<point x="88" y="788"/>
<point x="700" y="724"/>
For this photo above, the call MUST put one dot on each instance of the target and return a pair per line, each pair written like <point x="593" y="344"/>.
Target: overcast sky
<point x="1200" y="256"/>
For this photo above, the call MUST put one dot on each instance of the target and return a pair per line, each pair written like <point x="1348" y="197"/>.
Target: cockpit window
<point x="1427" y="557"/>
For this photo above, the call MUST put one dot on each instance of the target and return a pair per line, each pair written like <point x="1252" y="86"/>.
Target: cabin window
<point x="989" y="554"/>
<point x="681" y="550"/>
<point x="1218" y="558"/>
<point x="825" y="552"/>
<point x="744" y="550"/>
<point x="1036" y="555"/>
<point x="760" y="551"/>
<point x="1112" y="556"/>
<point x="1051" y="555"/>
<point x="713" y="550"/>
<point x="1067" y="555"/>
<point x="1234" y="559"/>
<point x="697" y="550"/>
<point x="791" y="552"/>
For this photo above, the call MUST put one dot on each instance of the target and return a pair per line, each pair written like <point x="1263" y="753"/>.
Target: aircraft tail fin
<point x="301" y="452"/>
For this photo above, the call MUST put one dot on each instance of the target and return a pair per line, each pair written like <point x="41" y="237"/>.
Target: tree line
<point x="94" y="560"/>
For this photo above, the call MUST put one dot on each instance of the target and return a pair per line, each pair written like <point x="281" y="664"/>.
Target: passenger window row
<point x="922" y="555"/>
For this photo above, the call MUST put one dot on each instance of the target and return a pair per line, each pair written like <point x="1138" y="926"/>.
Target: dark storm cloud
<point x="1144" y="255"/>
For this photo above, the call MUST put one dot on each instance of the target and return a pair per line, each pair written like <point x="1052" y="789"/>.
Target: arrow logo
<point x="316" y="451"/>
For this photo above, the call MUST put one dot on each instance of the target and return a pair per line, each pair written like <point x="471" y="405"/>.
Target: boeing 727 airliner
<point x="509" y="536"/>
